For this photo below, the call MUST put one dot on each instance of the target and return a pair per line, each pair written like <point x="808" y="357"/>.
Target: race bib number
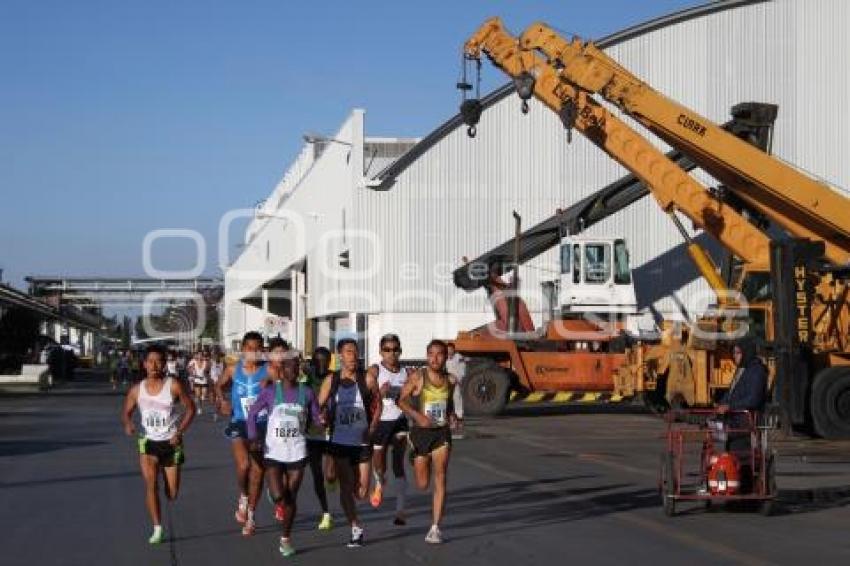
<point x="286" y="432"/>
<point x="393" y="394"/>
<point x="155" y="421"/>
<point x="350" y="417"/>
<point x="286" y="422"/>
<point x="436" y="412"/>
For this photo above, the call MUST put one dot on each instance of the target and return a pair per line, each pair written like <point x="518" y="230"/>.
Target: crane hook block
<point x="470" y="111"/>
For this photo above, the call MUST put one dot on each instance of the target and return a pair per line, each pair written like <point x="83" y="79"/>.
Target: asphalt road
<point x="549" y="486"/>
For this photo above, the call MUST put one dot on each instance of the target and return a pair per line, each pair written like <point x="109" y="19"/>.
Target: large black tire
<point x="830" y="402"/>
<point x="485" y="388"/>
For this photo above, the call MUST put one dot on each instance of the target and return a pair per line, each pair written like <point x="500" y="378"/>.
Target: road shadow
<point x="92" y="477"/>
<point x="798" y="501"/>
<point x="27" y="447"/>
<point x="519" y="409"/>
<point x="493" y="509"/>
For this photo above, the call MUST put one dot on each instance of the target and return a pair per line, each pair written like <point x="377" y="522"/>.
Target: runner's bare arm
<point x="414" y="383"/>
<point x="265" y="400"/>
<point x="225" y="379"/>
<point x="373" y="373"/>
<point x="450" y="406"/>
<point x="179" y="390"/>
<point x="325" y="392"/>
<point x="377" y="405"/>
<point x="127" y="412"/>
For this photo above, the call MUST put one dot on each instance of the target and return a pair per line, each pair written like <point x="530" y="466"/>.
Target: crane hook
<point x="525" y="107"/>
<point x="471" y="131"/>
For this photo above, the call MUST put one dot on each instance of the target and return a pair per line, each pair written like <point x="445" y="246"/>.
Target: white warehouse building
<point x="402" y="213"/>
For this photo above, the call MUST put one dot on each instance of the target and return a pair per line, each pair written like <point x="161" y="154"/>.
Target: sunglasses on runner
<point x="391" y="350"/>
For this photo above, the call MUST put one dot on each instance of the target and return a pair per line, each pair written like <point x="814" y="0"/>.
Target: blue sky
<point x="120" y="117"/>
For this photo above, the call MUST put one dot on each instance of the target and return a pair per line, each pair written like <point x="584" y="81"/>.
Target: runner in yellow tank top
<point x="426" y="398"/>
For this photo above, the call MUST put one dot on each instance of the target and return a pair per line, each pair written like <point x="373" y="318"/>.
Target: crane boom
<point x="672" y="187"/>
<point x="804" y="206"/>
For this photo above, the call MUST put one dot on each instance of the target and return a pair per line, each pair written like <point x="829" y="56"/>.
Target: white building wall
<point x="457" y="198"/>
<point x="299" y="216"/>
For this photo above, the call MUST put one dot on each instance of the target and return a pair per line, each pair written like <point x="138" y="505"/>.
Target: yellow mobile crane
<point x="795" y="286"/>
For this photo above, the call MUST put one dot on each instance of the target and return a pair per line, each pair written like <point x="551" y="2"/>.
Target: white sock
<point x="356" y="531"/>
<point x="400" y="493"/>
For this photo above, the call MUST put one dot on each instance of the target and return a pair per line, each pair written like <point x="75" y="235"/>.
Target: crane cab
<point x="595" y="276"/>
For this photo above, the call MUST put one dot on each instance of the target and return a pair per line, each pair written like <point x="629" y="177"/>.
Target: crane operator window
<point x="597" y="263"/>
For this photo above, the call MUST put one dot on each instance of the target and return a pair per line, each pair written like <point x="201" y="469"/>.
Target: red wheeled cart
<point x="717" y="456"/>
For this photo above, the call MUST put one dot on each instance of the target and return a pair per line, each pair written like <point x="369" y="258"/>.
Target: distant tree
<point x="140" y="331"/>
<point x="125" y="332"/>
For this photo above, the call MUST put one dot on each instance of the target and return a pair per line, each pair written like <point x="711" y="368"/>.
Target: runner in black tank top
<point x="353" y="403"/>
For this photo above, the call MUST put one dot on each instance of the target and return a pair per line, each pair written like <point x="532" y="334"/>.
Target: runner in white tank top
<point x="216" y="371"/>
<point x="290" y="406"/>
<point x="392" y="428"/>
<point x="161" y="444"/>
<point x="159" y="415"/>
<point x="198" y="370"/>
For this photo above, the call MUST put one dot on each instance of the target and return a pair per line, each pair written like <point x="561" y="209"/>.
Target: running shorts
<point x="354" y="454"/>
<point x="285" y="466"/>
<point x="166" y="454"/>
<point x="320" y="446"/>
<point x="387" y="430"/>
<point x="424" y="440"/>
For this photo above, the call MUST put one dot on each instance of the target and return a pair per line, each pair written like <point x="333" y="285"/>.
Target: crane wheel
<point x="485" y="389"/>
<point x="830" y="402"/>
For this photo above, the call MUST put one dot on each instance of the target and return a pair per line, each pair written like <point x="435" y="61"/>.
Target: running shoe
<point x="356" y="538"/>
<point x="249" y="527"/>
<point x="457" y="430"/>
<point x="242" y="509"/>
<point x="399" y="520"/>
<point x="327" y="522"/>
<point x="279" y="512"/>
<point x="286" y="548"/>
<point x="434" y="536"/>
<point x="377" y="495"/>
<point x="156" y="537"/>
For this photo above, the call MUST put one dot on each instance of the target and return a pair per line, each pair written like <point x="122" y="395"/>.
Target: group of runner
<point x="341" y="424"/>
<point x="201" y="373"/>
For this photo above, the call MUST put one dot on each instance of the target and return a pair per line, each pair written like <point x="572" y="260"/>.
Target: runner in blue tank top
<point x="244" y="379"/>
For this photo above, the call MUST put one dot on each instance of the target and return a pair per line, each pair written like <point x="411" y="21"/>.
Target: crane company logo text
<point x="540" y="370"/>
<point x="691" y="124"/>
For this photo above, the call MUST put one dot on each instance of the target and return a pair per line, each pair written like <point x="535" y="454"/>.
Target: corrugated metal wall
<point x="457" y="198"/>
